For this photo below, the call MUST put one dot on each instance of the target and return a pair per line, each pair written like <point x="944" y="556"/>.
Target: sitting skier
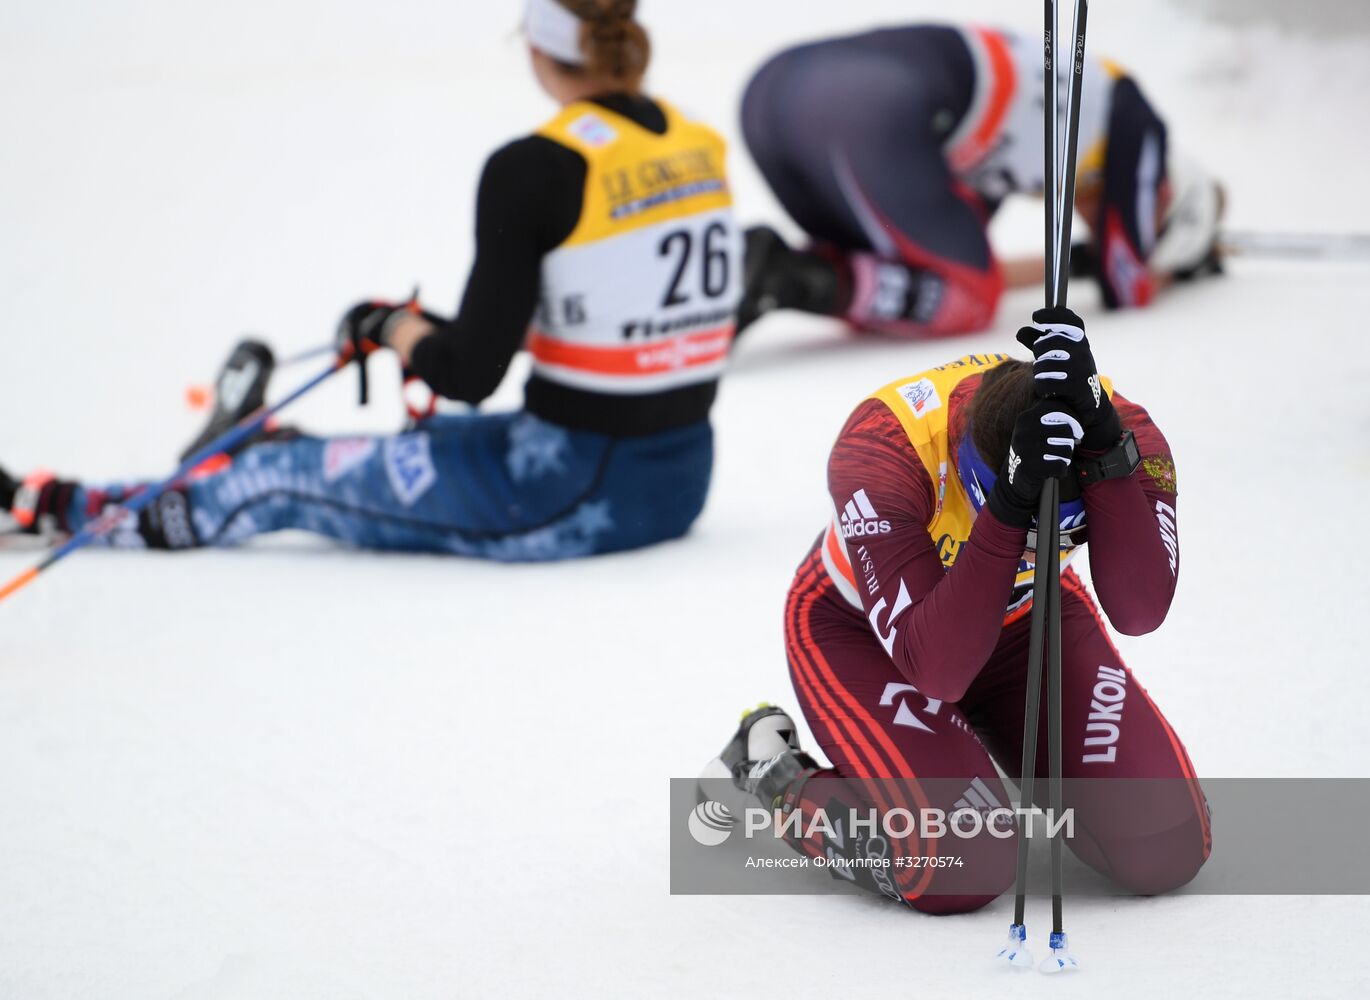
<point x="605" y="245"/>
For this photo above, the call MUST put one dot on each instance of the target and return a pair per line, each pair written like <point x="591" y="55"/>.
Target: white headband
<point x="554" y="30"/>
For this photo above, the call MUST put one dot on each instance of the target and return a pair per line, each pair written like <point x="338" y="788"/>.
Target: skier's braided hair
<point x="615" y="46"/>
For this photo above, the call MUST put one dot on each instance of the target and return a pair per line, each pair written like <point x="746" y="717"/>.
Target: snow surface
<point x="297" y="771"/>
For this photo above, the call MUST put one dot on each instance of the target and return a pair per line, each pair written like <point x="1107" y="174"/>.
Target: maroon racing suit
<point x="946" y="701"/>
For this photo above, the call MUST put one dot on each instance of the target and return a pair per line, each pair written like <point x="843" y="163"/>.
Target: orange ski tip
<point x="199" y="397"/>
<point x="20" y="581"/>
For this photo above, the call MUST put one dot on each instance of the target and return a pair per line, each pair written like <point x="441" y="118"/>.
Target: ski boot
<point x="759" y="762"/>
<point x="35" y="505"/>
<point x="1187" y="247"/>
<point x="239" y="390"/>
<point x="777" y="276"/>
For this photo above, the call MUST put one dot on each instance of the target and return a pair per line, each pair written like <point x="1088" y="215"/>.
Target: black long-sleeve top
<point x="529" y="202"/>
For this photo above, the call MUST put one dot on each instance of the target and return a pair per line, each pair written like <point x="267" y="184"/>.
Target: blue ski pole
<point x="229" y="440"/>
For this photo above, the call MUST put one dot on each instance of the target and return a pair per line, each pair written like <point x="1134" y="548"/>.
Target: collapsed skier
<point x="606" y="241"/>
<point x="892" y="150"/>
<point x="907" y="625"/>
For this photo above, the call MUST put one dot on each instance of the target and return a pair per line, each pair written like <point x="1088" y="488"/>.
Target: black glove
<point x="362" y="329"/>
<point x="365" y="328"/>
<point x="1065" y="371"/>
<point x="1042" y="448"/>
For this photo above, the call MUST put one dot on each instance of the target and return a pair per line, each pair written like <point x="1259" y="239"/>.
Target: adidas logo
<point x="979" y="797"/>
<point x="860" y="519"/>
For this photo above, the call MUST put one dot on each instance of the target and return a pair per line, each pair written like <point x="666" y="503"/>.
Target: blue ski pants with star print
<point x="505" y="486"/>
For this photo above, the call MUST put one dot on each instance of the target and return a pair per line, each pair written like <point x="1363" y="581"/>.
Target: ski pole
<point x="1045" y="633"/>
<point x="314" y="352"/>
<point x="1016" y="951"/>
<point x="1299" y="246"/>
<point x="1060" y="956"/>
<point x="1065" y="210"/>
<point x="229" y="440"/>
